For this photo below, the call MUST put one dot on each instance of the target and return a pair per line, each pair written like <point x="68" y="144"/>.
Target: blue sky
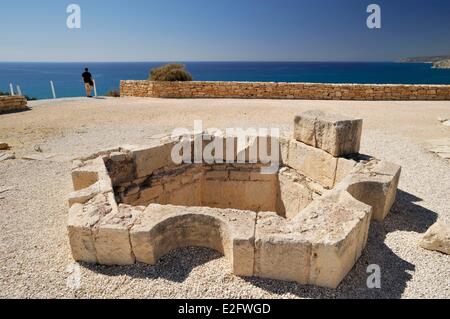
<point x="223" y="30"/>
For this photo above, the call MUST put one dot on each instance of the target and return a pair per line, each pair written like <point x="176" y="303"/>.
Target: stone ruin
<point x="307" y="223"/>
<point x="13" y="103"/>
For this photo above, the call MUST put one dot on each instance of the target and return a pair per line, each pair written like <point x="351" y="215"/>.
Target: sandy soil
<point x="35" y="259"/>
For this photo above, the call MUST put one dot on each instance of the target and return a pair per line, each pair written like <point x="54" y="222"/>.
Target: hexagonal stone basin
<point x="306" y="222"/>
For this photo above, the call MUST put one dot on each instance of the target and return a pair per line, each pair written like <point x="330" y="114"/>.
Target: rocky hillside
<point x="439" y="62"/>
<point x="425" y="59"/>
<point x="444" y="64"/>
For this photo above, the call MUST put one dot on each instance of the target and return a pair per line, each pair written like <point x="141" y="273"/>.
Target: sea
<point x="34" y="78"/>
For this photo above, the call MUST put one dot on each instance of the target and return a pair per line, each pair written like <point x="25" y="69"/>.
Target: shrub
<point x="4" y="93"/>
<point x="113" y="93"/>
<point x="170" y="72"/>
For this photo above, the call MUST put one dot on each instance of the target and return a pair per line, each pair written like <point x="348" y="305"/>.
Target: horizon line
<point x="214" y="61"/>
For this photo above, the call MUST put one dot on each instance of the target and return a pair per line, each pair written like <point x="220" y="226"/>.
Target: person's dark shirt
<point x="87" y="77"/>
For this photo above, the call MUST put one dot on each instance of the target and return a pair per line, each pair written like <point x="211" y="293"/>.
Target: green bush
<point x="170" y="72"/>
<point x="4" y="93"/>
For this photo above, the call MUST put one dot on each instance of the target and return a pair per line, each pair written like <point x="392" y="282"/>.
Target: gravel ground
<point x="35" y="259"/>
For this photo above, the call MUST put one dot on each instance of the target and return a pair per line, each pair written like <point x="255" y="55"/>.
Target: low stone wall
<point x="282" y="226"/>
<point x="12" y="103"/>
<point x="270" y="90"/>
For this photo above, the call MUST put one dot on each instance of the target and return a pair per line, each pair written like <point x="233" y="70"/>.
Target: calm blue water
<point x="34" y="78"/>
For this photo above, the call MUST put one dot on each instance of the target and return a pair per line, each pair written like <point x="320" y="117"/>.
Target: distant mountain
<point x="443" y="64"/>
<point x="425" y="59"/>
<point x="439" y="62"/>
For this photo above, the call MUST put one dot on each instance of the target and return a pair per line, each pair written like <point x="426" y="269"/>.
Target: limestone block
<point x="219" y="175"/>
<point x="147" y="160"/>
<point x="87" y="174"/>
<point x="375" y="184"/>
<point x="437" y="238"/>
<point x="340" y="230"/>
<point x="344" y="168"/>
<point x="284" y="143"/>
<point x="279" y="254"/>
<point x="163" y="229"/>
<point x="319" y="246"/>
<point x="314" y="163"/>
<point x="187" y="195"/>
<point x="120" y="168"/>
<point x="336" y="134"/>
<point x="79" y="227"/>
<point x="293" y="196"/>
<point x="259" y="196"/>
<point x="112" y="244"/>
<point x="84" y="195"/>
<point x="240" y="175"/>
<point x="111" y="233"/>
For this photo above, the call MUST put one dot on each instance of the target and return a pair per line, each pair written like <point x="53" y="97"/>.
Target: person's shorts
<point x="87" y="86"/>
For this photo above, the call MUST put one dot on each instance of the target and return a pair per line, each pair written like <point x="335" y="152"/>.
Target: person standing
<point x="88" y="82"/>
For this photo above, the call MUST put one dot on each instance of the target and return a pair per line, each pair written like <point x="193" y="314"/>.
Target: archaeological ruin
<point x="306" y="222"/>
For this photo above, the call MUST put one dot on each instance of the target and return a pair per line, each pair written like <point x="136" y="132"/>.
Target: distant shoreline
<point x="438" y="62"/>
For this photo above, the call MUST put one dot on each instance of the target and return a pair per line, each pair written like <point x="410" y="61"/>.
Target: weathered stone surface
<point x="12" y="103"/>
<point x="279" y="253"/>
<point x="339" y="232"/>
<point x="87" y="173"/>
<point x="314" y="163"/>
<point x="336" y="134"/>
<point x="4" y="146"/>
<point x="164" y="228"/>
<point x="319" y="246"/>
<point x="112" y="236"/>
<point x="4" y="156"/>
<point x="79" y="228"/>
<point x="148" y="160"/>
<point x="440" y="147"/>
<point x="120" y="167"/>
<point x="266" y="90"/>
<point x="375" y="184"/>
<point x="344" y="168"/>
<point x="293" y="194"/>
<point x="437" y="238"/>
<point x="82" y="196"/>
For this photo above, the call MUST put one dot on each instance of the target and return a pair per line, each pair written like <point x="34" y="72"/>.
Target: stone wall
<point x="12" y="103"/>
<point x="270" y="90"/>
<point x="236" y="186"/>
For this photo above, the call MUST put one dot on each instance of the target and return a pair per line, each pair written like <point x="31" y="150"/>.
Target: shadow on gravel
<point x="406" y="215"/>
<point x="16" y="111"/>
<point x="176" y="266"/>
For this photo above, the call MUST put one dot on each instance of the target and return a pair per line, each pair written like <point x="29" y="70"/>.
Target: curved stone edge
<point x="165" y="228"/>
<point x="374" y="183"/>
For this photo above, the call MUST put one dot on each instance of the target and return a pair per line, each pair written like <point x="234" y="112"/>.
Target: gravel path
<point x="35" y="260"/>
